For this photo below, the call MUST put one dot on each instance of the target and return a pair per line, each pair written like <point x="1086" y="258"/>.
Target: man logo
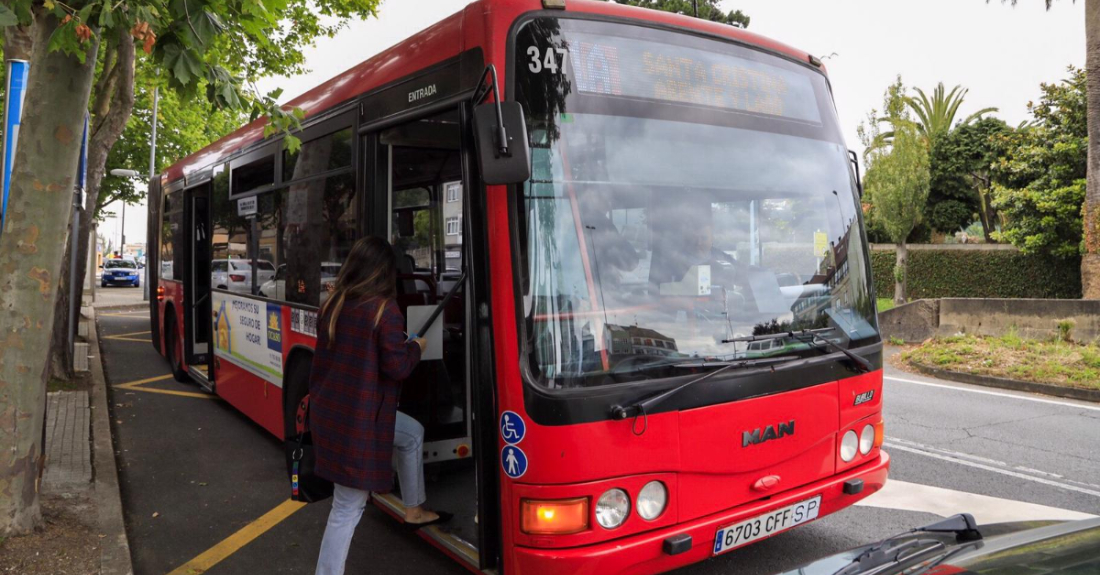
<point x="768" y="433"/>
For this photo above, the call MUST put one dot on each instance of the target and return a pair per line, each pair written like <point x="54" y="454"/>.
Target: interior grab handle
<point x="443" y="304"/>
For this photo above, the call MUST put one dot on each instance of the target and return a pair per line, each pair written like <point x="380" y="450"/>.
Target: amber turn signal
<point x="880" y="434"/>
<point x="555" y="517"/>
<point x="160" y="293"/>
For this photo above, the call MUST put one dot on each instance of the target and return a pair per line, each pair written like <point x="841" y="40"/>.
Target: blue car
<point x="120" y="272"/>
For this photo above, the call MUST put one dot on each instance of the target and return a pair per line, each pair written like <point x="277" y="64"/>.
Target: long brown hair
<point x="370" y="272"/>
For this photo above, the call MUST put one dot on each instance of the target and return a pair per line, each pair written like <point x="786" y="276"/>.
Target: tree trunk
<point x="901" y="273"/>
<point x="31" y="247"/>
<point x="113" y="103"/>
<point x="18" y="42"/>
<point x="1090" y="264"/>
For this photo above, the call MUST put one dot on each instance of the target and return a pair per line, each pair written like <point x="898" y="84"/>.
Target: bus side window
<point x="317" y="223"/>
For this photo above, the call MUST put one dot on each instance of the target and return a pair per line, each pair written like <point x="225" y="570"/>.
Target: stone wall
<point x="1032" y="318"/>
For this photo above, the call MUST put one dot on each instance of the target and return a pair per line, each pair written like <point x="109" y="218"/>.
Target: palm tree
<point x="1090" y="262"/>
<point x="936" y="115"/>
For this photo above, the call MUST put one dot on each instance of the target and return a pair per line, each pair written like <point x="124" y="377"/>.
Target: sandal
<point x="443" y="518"/>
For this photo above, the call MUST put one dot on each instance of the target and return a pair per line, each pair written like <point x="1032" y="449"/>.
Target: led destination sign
<point x="615" y="66"/>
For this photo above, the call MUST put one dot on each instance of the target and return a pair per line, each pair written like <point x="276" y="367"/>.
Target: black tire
<point x="171" y="351"/>
<point x="295" y="387"/>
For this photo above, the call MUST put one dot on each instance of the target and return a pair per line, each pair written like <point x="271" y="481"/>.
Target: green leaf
<point x="184" y="65"/>
<point x="7" y="16"/>
<point x="204" y="26"/>
<point x="106" y="17"/>
<point x="85" y="13"/>
<point x="292" y="143"/>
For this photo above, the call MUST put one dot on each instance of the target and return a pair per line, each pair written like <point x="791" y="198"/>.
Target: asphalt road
<point x="194" y="472"/>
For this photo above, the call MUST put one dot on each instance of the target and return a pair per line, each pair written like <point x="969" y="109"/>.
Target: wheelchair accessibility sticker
<point x="512" y="427"/>
<point x="514" y="461"/>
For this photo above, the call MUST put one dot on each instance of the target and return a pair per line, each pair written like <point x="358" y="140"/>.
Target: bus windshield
<point x="685" y="192"/>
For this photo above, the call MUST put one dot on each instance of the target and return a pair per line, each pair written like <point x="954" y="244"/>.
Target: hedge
<point x="979" y="273"/>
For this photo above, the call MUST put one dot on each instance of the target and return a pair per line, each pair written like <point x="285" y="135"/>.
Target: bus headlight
<point x="867" y="439"/>
<point x="612" y="508"/>
<point x="848" y="446"/>
<point x="652" y="500"/>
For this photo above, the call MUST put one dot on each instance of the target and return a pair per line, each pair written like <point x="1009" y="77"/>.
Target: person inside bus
<point x="684" y="237"/>
<point x="362" y="357"/>
<point x="614" y="256"/>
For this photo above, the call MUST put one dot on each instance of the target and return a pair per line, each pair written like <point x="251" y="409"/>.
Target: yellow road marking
<point x="236" y="541"/>
<point x="144" y="381"/>
<point x="127" y="334"/>
<point x="116" y="338"/>
<point x="170" y="392"/>
<point x="136" y="386"/>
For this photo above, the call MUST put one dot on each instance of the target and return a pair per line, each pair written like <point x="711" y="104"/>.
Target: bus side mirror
<point x="854" y="158"/>
<point x="504" y="155"/>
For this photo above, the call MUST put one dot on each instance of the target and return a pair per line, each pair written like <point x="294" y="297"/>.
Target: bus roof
<point x="439" y="42"/>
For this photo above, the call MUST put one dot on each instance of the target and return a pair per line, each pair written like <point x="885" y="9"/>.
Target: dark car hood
<point x="1032" y="547"/>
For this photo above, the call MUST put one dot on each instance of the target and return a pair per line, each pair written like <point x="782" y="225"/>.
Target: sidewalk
<point x="80" y="457"/>
<point x="68" y="445"/>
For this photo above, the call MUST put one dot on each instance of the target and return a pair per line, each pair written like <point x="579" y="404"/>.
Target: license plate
<point x="761" y="526"/>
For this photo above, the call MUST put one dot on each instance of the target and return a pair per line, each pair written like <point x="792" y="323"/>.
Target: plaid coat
<point x="353" y="391"/>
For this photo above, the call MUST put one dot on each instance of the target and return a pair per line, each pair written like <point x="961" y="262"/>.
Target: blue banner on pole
<point x="13" y="113"/>
<point x="82" y="169"/>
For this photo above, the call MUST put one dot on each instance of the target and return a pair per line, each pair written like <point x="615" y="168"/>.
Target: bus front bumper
<point x="644" y="553"/>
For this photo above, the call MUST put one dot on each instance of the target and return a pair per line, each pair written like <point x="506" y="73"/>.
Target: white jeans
<point x="348" y="503"/>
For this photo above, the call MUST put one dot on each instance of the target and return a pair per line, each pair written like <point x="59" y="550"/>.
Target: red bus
<point x="662" y="343"/>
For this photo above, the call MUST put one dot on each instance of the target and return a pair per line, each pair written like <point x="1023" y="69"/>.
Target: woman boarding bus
<point x="633" y="245"/>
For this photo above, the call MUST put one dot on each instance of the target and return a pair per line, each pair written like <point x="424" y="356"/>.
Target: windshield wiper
<point x="898" y="557"/>
<point x="861" y="363"/>
<point x="904" y="555"/>
<point x="643" y="406"/>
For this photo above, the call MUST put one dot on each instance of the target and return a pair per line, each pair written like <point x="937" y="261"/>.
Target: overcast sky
<point x="1000" y="53"/>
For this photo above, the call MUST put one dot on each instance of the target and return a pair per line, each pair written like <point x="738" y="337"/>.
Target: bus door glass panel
<point x="200" y="272"/>
<point x="171" y="235"/>
<point x="426" y="203"/>
<point x="229" y="240"/>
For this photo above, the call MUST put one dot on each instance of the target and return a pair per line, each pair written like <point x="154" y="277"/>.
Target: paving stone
<point x="68" y="450"/>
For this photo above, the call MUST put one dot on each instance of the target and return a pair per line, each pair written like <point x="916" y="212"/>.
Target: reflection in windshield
<point x="666" y="230"/>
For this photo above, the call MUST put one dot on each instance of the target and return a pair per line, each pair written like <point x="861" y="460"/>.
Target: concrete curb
<point x="1016" y="385"/>
<point x="115" y="547"/>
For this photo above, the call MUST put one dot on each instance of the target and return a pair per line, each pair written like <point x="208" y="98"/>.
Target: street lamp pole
<point x="149" y="185"/>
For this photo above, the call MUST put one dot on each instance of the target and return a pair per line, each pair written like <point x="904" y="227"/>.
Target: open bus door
<point x="196" y="278"/>
<point x="421" y="181"/>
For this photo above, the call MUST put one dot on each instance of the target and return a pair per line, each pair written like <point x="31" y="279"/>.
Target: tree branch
<point x="105" y="88"/>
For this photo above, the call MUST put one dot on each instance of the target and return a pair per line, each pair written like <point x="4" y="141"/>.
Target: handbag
<point x="305" y="485"/>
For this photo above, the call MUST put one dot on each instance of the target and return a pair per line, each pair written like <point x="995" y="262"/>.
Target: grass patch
<point x="56" y="384"/>
<point x="885" y="304"/>
<point x="1056" y="361"/>
<point x="80" y="382"/>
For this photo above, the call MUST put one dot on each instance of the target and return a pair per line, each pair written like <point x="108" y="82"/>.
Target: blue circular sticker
<point x="514" y="461"/>
<point x="512" y="427"/>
